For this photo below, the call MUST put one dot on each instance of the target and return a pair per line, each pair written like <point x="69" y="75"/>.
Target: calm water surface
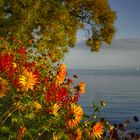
<point x="119" y="88"/>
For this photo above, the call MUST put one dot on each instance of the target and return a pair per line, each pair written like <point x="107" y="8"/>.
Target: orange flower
<point x="81" y="87"/>
<point x="61" y="74"/>
<point x="78" y="133"/>
<point x="3" y="87"/>
<point x="27" y="80"/>
<point x="98" y="130"/>
<point x="14" y="65"/>
<point x="22" y="131"/>
<point x="37" y="106"/>
<point x="74" y="115"/>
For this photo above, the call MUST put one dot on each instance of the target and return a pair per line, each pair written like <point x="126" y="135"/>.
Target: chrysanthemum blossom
<point x="98" y="130"/>
<point x="81" y="87"/>
<point x="74" y="115"/>
<point x="54" y="109"/>
<point x="61" y="74"/>
<point x="27" y="80"/>
<point x="3" y="87"/>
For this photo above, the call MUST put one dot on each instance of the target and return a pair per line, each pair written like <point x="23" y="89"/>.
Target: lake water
<point x="119" y="88"/>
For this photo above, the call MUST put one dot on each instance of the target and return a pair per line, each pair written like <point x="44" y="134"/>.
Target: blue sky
<point x="128" y="18"/>
<point x="125" y="48"/>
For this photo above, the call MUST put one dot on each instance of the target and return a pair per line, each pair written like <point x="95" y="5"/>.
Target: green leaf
<point x="63" y="136"/>
<point x="13" y="135"/>
<point x="86" y="116"/>
<point x="14" y="119"/>
<point x="26" y="100"/>
<point x="29" y="116"/>
<point x="5" y="129"/>
<point x="3" y="138"/>
<point x="1" y="3"/>
<point x="33" y="131"/>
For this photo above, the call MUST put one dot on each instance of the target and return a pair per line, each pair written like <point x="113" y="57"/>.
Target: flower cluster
<point x="39" y="101"/>
<point x="36" y="90"/>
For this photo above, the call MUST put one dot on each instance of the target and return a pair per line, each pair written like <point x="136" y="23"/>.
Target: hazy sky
<point x="125" y="49"/>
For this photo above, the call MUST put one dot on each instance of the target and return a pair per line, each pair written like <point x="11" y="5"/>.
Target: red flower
<point x="36" y="72"/>
<point x="69" y="81"/>
<point x="46" y="80"/>
<point x="22" y="51"/>
<point x="29" y="65"/>
<point x="75" y="98"/>
<point x="75" y="76"/>
<point x="6" y="64"/>
<point x="57" y="94"/>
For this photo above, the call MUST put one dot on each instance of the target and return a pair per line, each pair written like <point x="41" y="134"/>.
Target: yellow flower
<point x="27" y="80"/>
<point x="37" y="105"/>
<point x="98" y="130"/>
<point x="111" y="127"/>
<point x="74" y="115"/>
<point x="3" y="87"/>
<point x="61" y="74"/>
<point x="54" y="109"/>
<point x="81" y="86"/>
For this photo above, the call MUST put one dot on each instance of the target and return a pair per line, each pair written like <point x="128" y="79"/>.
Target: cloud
<point x="123" y="43"/>
<point x="117" y="43"/>
<point x="122" y="53"/>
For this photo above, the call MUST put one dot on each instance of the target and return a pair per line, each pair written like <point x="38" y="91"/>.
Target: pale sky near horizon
<point x="125" y="49"/>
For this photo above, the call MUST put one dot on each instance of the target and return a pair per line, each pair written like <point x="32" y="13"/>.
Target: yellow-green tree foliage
<point x="59" y="21"/>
